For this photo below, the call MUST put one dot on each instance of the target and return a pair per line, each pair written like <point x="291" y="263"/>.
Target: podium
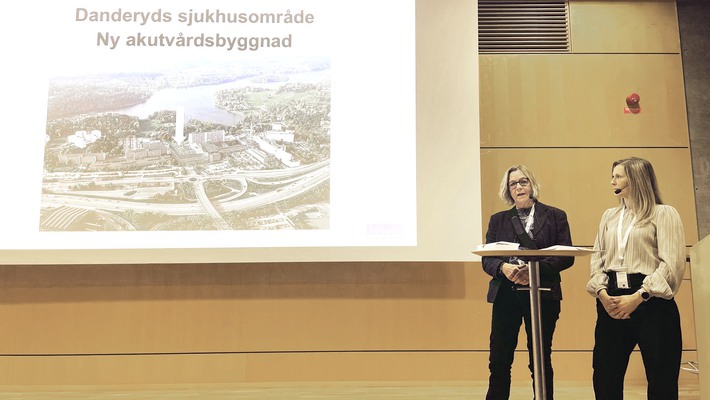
<point x="700" y="279"/>
<point x="535" y="289"/>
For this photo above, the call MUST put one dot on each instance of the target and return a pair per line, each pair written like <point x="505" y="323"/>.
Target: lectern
<point x="534" y="274"/>
<point x="700" y="275"/>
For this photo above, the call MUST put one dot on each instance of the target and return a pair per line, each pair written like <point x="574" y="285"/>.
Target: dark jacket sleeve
<point x="492" y="264"/>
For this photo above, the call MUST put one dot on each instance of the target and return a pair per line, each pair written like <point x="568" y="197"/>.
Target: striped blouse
<point x="655" y="249"/>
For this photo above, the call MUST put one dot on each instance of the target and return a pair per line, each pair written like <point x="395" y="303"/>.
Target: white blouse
<point x="655" y="248"/>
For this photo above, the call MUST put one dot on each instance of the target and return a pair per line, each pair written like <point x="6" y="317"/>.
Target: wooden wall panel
<point x="242" y="308"/>
<point x="578" y="100"/>
<point x="24" y="374"/>
<point x="609" y="26"/>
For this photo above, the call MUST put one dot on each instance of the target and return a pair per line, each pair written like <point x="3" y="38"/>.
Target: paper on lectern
<point x="499" y="246"/>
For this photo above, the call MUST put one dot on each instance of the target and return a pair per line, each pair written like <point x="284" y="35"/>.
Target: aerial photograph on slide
<point x="190" y="146"/>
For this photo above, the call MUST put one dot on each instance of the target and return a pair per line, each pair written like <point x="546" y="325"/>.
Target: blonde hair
<point x="505" y="192"/>
<point x="643" y="186"/>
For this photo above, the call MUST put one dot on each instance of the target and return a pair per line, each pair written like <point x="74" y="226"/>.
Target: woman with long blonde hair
<point x="635" y="276"/>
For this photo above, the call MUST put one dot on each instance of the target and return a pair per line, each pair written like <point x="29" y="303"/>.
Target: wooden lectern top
<point x="559" y="251"/>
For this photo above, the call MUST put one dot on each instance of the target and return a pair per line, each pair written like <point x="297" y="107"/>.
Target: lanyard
<point x="529" y="221"/>
<point x="623" y="240"/>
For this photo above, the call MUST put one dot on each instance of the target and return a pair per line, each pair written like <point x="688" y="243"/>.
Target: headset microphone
<point x="617" y="191"/>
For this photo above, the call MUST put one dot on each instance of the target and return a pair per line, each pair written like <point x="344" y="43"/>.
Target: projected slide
<point x="208" y="119"/>
<point x="223" y="124"/>
<point x="239" y="131"/>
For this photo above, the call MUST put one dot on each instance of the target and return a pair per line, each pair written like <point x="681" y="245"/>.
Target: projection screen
<point x="240" y="131"/>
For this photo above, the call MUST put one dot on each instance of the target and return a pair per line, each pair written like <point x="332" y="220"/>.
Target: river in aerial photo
<point x="198" y="101"/>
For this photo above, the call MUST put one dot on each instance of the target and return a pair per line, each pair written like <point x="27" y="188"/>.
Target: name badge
<point x="622" y="281"/>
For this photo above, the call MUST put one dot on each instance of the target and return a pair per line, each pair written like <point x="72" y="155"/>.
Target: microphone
<point x="617" y="191"/>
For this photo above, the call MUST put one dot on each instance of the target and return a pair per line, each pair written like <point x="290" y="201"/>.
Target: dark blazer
<point x="550" y="228"/>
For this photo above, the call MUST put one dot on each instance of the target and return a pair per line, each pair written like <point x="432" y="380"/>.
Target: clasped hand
<point x="517" y="274"/>
<point x="619" y="307"/>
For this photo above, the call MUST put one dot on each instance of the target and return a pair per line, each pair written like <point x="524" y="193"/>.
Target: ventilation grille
<point x="523" y="26"/>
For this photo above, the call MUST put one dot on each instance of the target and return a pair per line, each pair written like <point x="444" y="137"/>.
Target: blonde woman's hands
<point x="620" y="307"/>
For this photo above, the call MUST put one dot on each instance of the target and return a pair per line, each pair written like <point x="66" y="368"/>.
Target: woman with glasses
<point x="634" y="277"/>
<point x="535" y="226"/>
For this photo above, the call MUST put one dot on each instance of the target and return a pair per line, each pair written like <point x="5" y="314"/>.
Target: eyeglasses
<point x="523" y="183"/>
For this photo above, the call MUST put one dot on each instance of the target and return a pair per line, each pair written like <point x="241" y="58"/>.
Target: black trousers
<point x="510" y="309"/>
<point x="655" y="327"/>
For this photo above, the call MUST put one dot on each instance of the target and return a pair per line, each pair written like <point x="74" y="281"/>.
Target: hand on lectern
<point x="517" y="274"/>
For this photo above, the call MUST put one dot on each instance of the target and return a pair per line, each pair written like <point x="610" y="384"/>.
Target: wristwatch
<point x="644" y="294"/>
